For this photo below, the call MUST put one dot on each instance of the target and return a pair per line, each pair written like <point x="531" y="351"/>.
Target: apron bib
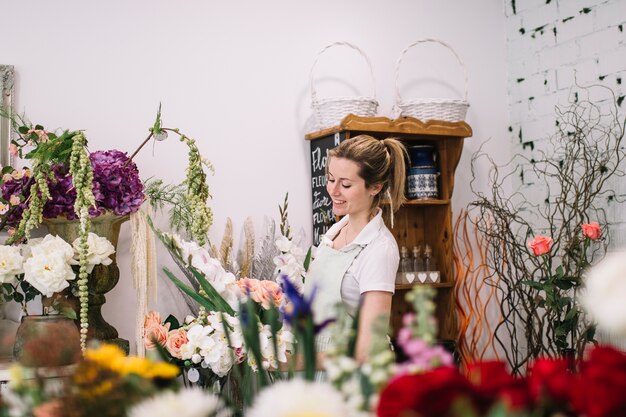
<point x="325" y="275"/>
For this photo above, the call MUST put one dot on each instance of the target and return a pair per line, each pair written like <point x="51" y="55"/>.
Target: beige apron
<point x="325" y="275"/>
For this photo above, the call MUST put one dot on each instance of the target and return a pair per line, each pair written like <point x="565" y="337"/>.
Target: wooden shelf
<point x="402" y="125"/>
<point x="403" y="287"/>
<point x="427" y="202"/>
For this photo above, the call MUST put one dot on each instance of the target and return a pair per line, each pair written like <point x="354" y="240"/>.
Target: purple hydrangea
<point x="116" y="187"/>
<point x="14" y="187"/>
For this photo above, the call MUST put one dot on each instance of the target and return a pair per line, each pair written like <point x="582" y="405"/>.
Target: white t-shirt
<point x="375" y="267"/>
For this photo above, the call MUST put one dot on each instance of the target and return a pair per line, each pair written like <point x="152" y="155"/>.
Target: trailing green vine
<point x="82" y="177"/>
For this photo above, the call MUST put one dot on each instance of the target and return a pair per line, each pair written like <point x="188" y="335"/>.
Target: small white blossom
<point x="284" y="244"/>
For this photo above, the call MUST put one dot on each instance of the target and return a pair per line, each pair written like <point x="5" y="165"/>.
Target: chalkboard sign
<point x="323" y="216"/>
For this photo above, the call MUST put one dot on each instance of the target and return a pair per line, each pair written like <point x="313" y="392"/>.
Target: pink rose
<point x="540" y="245"/>
<point x="13" y="149"/>
<point x="272" y="292"/>
<point x="154" y="330"/>
<point x="592" y="230"/>
<point x="175" y="339"/>
<point x="262" y="292"/>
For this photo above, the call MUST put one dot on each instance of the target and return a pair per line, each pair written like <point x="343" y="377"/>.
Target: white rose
<point x="99" y="250"/>
<point x="52" y="245"/>
<point x="283" y="244"/>
<point x="48" y="273"/>
<point x="11" y="264"/>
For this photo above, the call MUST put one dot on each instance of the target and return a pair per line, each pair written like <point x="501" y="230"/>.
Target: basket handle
<point x="319" y="54"/>
<point x="425" y="40"/>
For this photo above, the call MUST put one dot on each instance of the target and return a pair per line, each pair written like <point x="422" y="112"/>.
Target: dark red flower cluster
<point x="596" y="390"/>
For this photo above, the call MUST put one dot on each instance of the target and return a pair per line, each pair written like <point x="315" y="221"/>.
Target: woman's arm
<point x="375" y="304"/>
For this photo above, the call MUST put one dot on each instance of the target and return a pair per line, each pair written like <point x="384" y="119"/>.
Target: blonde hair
<point x="380" y="162"/>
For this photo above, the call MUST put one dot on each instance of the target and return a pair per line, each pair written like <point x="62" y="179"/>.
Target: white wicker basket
<point x="330" y="111"/>
<point x="449" y="110"/>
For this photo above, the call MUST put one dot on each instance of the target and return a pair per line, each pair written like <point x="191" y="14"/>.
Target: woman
<point x="357" y="259"/>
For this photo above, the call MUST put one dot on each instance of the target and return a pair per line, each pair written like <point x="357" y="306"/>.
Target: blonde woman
<point x="357" y="259"/>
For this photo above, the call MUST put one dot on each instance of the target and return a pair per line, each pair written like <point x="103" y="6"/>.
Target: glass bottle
<point x="429" y="261"/>
<point x="406" y="263"/>
<point x="418" y="264"/>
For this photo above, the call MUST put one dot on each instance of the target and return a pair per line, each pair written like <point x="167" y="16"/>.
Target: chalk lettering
<point x="320" y="200"/>
<point x="319" y="181"/>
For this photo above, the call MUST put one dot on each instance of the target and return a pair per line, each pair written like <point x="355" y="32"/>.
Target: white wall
<point x="234" y="75"/>
<point x="553" y="47"/>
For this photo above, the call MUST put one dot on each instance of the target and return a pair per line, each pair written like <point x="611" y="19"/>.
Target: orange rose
<point x="154" y="330"/>
<point x="592" y="230"/>
<point x="540" y="245"/>
<point x="175" y="339"/>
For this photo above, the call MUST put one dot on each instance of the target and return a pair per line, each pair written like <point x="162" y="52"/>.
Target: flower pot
<point x="103" y="278"/>
<point x="47" y="341"/>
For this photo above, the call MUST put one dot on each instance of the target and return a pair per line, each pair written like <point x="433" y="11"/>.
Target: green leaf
<point x="23" y="129"/>
<point x="564" y="285"/>
<point x="590" y="334"/>
<point x="173" y="321"/>
<point x="534" y="284"/>
<point x="38" y="127"/>
<point x="307" y="259"/>
<point x="559" y="272"/>
<point x="68" y="312"/>
<point x="572" y="314"/>
<point x="211" y="293"/>
<point x="190" y="291"/>
<point x="18" y="297"/>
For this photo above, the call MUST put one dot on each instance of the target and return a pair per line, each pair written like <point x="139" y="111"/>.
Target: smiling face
<point x="347" y="189"/>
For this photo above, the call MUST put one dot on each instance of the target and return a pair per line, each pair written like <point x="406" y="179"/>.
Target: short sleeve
<point x="378" y="265"/>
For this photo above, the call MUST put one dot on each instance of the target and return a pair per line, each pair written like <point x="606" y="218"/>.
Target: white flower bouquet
<point x="48" y="267"/>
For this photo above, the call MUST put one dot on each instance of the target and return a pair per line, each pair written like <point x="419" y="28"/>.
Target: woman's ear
<point x="375" y="189"/>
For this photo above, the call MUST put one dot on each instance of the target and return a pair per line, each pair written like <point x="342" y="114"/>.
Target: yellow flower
<point x="112" y="357"/>
<point x="106" y="356"/>
<point x="163" y="370"/>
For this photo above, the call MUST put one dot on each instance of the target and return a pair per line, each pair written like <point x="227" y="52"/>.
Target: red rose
<point x="429" y="394"/>
<point x="592" y="230"/>
<point x="540" y="245"/>
<point x="494" y="383"/>
<point x="550" y="379"/>
<point x="600" y="388"/>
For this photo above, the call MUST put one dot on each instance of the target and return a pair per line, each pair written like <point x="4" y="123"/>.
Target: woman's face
<point x="347" y="189"/>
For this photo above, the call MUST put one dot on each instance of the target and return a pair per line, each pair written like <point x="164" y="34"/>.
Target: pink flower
<point x="175" y="339"/>
<point x="13" y="149"/>
<point x="154" y="330"/>
<point x="53" y="408"/>
<point x="540" y="245"/>
<point x="263" y="292"/>
<point x="592" y="230"/>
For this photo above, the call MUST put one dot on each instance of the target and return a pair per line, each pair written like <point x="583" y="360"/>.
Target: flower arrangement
<point x="104" y="383"/>
<point x="490" y="390"/>
<point x="47" y="266"/>
<point x="558" y="290"/>
<point x="209" y="345"/>
<point x="567" y="189"/>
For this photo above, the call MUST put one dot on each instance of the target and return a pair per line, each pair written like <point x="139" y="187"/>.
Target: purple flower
<point x="15" y="187"/>
<point x="116" y="187"/>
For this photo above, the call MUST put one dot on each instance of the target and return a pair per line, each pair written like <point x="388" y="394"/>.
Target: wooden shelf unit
<point x="418" y="222"/>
